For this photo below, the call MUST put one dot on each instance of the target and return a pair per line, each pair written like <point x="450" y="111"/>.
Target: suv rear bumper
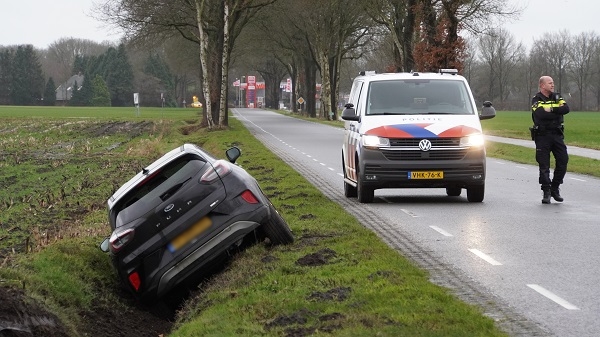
<point x="204" y="254"/>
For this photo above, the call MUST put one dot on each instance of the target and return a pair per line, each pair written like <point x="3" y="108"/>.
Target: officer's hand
<point x="547" y="109"/>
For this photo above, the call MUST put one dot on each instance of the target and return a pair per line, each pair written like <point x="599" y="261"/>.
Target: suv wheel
<point x="475" y="193"/>
<point x="276" y="229"/>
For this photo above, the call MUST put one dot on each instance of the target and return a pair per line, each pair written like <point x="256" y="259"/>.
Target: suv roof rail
<point x="449" y="71"/>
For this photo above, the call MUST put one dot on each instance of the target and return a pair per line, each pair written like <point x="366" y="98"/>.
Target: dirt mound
<point x="20" y="317"/>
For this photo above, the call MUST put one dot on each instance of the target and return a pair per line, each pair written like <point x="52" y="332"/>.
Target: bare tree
<point x="500" y="54"/>
<point x="398" y="17"/>
<point x="213" y="24"/>
<point x="552" y="53"/>
<point x="581" y="54"/>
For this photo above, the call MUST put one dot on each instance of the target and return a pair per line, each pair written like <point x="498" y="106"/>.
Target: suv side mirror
<point x="349" y="114"/>
<point x="104" y="245"/>
<point x="487" y="111"/>
<point x="233" y="154"/>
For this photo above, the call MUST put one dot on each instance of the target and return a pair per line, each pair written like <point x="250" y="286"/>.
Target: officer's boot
<point x="555" y="193"/>
<point x="546" y="197"/>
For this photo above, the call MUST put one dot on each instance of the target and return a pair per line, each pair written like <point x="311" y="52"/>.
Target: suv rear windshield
<point x="418" y="96"/>
<point x="156" y="188"/>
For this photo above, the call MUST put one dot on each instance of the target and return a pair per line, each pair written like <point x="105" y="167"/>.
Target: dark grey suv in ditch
<point x="179" y="214"/>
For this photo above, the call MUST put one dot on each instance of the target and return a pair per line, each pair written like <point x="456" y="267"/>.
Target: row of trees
<point x="196" y="45"/>
<point x="30" y="76"/>
<point x="21" y="78"/>
<point x="502" y="69"/>
<point x="109" y="78"/>
<point x="306" y="37"/>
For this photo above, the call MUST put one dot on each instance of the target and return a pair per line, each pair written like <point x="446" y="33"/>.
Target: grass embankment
<point x="58" y="166"/>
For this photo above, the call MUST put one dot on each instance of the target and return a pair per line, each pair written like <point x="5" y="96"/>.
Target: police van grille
<point x="446" y="154"/>
<point x="441" y="149"/>
<point x="414" y="142"/>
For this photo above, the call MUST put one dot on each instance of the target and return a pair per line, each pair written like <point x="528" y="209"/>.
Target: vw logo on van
<point x="425" y="145"/>
<point x="169" y="208"/>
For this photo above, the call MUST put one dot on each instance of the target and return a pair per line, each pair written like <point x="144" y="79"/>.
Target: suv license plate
<point x="189" y="234"/>
<point x="426" y="175"/>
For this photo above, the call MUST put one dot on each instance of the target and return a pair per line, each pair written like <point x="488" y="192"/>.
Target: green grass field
<point x="580" y="127"/>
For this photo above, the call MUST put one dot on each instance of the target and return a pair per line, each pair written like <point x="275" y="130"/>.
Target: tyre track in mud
<point x="442" y="274"/>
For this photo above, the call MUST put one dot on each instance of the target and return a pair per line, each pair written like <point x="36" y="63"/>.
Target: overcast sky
<point x="42" y="22"/>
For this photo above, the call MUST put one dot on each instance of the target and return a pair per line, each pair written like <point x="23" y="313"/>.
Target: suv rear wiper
<point x="173" y="189"/>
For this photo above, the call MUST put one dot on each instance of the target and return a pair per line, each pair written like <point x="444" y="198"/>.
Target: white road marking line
<point x="441" y="231"/>
<point x="322" y="164"/>
<point x="485" y="257"/>
<point x="578" y="179"/>
<point x="309" y="156"/>
<point x="341" y="175"/>
<point x="331" y="169"/>
<point x="553" y="297"/>
<point x="409" y="213"/>
<point x="501" y="163"/>
<point x="521" y="167"/>
<point x="315" y="159"/>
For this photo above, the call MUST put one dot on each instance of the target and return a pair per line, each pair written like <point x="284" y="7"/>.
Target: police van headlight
<point x="474" y="140"/>
<point x="374" y="141"/>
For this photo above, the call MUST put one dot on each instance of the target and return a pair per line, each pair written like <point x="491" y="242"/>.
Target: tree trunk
<point x="224" y="72"/>
<point x="325" y="85"/>
<point x="203" y="39"/>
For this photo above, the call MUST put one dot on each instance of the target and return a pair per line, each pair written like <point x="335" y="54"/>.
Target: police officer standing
<point x="547" y="111"/>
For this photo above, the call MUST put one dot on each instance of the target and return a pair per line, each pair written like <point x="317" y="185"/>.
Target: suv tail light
<point x="220" y="168"/>
<point x="134" y="280"/>
<point x="249" y="197"/>
<point x="118" y="240"/>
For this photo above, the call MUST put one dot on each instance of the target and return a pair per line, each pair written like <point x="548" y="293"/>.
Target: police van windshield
<point x="418" y="97"/>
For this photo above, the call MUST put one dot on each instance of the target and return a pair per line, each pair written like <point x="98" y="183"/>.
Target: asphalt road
<point x="532" y="267"/>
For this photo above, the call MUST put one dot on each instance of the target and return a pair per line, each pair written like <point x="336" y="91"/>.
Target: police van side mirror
<point x="349" y="114"/>
<point x="487" y="111"/>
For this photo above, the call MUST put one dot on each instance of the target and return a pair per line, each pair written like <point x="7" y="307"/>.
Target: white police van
<point x="413" y="130"/>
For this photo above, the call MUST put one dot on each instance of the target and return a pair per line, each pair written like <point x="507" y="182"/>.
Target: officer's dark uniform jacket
<point x="549" y="137"/>
<point x="548" y="121"/>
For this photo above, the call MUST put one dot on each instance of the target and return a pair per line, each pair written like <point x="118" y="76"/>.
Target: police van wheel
<point x="349" y="190"/>
<point x="365" y="194"/>
<point x="475" y="193"/>
<point x="453" y="191"/>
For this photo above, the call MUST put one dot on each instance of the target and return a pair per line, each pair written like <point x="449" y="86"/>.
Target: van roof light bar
<point x="370" y="72"/>
<point x="449" y="71"/>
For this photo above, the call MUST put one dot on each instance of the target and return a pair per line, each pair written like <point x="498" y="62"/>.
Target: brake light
<point x="249" y="197"/>
<point x="220" y="168"/>
<point x="118" y="240"/>
<point x="134" y="280"/>
<point x="150" y="177"/>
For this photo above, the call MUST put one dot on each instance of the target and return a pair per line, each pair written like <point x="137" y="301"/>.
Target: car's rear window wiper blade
<point x="173" y="189"/>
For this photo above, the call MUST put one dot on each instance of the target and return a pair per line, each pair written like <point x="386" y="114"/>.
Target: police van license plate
<point x="425" y="175"/>
<point x="189" y="234"/>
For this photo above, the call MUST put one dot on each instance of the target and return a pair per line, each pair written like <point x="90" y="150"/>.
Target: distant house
<point x="64" y="92"/>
